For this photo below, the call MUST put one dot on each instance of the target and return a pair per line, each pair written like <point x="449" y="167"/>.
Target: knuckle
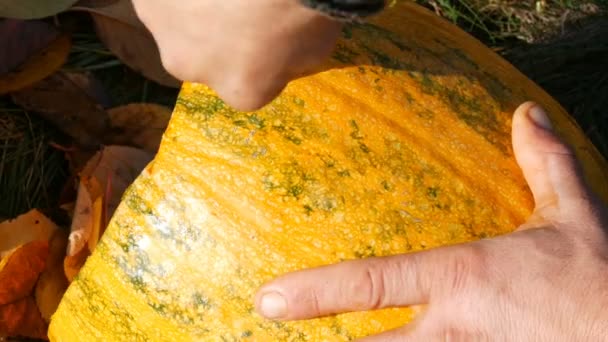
<point x="314" y="303"/>
<point x="467" y="266"/>
<point x="370" y="289"/>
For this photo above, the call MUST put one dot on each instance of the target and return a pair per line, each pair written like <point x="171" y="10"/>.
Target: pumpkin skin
<point x="400" y="144"/>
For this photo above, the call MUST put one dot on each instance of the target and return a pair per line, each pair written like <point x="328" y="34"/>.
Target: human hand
<point x="247" y="51"/>
<point x="548" y="281"/>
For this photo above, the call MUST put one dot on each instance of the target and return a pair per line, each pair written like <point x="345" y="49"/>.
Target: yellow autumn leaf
<point x="32" y="226"/>
<point x="32" y="248"/>
<point x="52" y="283"/>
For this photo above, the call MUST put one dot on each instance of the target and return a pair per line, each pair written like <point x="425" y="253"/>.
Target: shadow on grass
<point x="573" y="68"/>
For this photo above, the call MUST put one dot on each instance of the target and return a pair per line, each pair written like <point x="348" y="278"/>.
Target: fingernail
<point x="538" y="115"/>
<point x="273" y="305"/>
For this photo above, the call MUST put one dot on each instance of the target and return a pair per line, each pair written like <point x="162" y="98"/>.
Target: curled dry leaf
<point x="52" y="283"/>
<point x="22" y="319"/>
<point x="87" y="216"/>
<point x="140" y="125"/>
<point x="62" y="102"/>
<point x="120" y="29"/>
<point x="29" y="52"/>
<point x="33" y="9"/>
<point x="20" y="269"/>
<point x="32" y="226"/>
<point x="102" y="183"/>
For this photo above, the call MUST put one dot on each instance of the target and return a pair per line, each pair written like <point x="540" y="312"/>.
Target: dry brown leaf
<point x="88" y="223"/>
<point x="140" y="125"/>
<point x="91" y="86"/>
<point x="52" y="283"/>
<point x="124" y="34"/>
<point x="102" y="183"/>
<point x="20" y="39"/>
<point x="82" y="221"/>
<point x="36" y="66"/>
<point x="22" y="319"/>
<point x="79" y="117"/>
<point x="19" y="270"/>
<point x="121" y="10"/>
<point x="77" y="158"/>
<point x="32" y="226"/>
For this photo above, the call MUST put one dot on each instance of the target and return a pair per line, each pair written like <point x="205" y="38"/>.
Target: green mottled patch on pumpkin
<point x="345" y="54"/>
<point x="386" y="185"/>
<point x="390" y="63"/>
<point x="374" y="32"/>
<point x="480" y="116"/>
<point x="299" y="102"/>
<point x="201" y="108"/>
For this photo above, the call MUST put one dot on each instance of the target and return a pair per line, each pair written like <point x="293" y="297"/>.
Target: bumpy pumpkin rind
<point x="401" y="144"/>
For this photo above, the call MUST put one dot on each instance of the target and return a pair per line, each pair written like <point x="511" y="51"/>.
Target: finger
<point x="366" y="284"/>
<point x="549" y="166"/>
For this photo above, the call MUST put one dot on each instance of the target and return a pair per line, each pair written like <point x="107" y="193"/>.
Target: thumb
<point x="549" y="166"/>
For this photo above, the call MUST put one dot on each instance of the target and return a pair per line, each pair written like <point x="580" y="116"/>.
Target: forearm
<point x="346" y="9"/>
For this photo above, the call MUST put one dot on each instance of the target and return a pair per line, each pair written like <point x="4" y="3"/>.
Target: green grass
<point x="499" y="22"/>
<point x="32" y="173"/>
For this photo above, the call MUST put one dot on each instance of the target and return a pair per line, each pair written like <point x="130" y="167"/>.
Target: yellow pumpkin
<point x="401" y="144"/>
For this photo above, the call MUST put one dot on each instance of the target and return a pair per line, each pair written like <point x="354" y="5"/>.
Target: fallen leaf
<point x="83" y="221"/>
<point x="19" y="270"/>
<point x="29" y="52"/>
<point x="20" y="39"/>
<point x="91" y="86"/>
<point x="76" y="156"/>
<point x="32" y="249"/>
<point x="120" y="10"/>
<point x="140" y="125"/>
<point x="32" y="226"/>
<point x="33" y="9"/>
<point x="22" y="319"/>
<point x="52" y="283"/>
<point x="102" y="184"/>
<point x="119" y="28"/>
<point x="60" y="101"/>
